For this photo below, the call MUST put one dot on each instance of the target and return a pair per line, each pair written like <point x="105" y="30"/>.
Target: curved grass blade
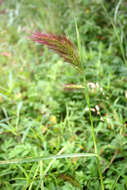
<point x="37" y="159"/>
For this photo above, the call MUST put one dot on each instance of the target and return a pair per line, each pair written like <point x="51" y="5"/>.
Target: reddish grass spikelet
<point x="59" y="44"/>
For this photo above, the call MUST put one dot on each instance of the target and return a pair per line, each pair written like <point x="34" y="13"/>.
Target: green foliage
<point x="40" y="117"/>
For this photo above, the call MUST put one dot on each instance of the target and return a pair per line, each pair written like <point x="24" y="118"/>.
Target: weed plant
<point x="45" y="128"/>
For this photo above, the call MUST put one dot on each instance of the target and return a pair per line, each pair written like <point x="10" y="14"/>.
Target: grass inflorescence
<point x="59" y="44"/>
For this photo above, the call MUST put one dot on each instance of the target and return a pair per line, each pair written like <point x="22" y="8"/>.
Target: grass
<point x="42" y="119"/>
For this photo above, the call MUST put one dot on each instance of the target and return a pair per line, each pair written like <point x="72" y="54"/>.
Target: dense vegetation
<point x="41" y="116"/>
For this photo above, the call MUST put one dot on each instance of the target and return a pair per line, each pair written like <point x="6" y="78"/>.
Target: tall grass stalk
<point x="89" y="105"/>
<point x="65" y="48"/>
<point x="115" y="28"/>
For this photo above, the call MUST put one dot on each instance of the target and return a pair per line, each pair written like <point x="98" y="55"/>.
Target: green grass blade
<point x="28" y="160"/>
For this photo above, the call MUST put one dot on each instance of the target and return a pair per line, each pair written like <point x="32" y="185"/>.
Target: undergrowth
<point x="43" y="110"/>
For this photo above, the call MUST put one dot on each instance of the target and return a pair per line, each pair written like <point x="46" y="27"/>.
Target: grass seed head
<point x="59" y="44"/>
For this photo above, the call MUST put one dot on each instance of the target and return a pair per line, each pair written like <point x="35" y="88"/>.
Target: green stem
<point x="88" y="103"/>
<point x="81" y="68"/>
<point x="93" y="134"/>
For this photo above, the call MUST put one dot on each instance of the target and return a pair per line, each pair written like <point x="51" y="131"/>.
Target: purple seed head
<point x="59" y="44"/>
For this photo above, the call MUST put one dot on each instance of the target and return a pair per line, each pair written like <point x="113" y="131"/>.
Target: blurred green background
<point x="39" y="117"/>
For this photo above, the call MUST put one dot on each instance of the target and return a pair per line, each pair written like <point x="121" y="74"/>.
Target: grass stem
<point x="88" y="103"/>
<point x="93" y="134"/>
